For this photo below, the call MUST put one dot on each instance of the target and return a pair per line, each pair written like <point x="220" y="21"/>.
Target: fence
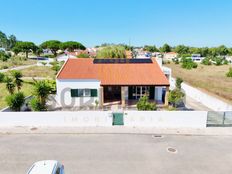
<point x="219" y="119"/>
<point x="158" y="119"/>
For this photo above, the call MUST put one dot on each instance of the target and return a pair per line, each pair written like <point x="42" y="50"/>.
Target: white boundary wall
<point x="166" y="119"/>
<point x="209" y="101"/>
<point x="158" y="119"/>
<point x="56" y="119"/>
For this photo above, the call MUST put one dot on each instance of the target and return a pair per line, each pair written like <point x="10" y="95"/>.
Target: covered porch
<point x="128" y="96"/>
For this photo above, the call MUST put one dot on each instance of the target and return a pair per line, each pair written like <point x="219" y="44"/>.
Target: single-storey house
<point x="170" y="56"/>
<point x="87" y="81"/>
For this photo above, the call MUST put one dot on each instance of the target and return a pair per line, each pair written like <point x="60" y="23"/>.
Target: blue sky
<point x="92" y="22"/>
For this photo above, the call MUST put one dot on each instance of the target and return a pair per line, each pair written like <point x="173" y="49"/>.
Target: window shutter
<point x="74" y="92"/>
<point x="93" y="92"/>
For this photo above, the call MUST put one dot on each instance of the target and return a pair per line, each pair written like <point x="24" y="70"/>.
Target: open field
<point x="38" y="71"/>
<point x="118" y="153"/>
<point x="26" y="89"/>
<point x="212" y="79"/>
<point x="11" y="63"/>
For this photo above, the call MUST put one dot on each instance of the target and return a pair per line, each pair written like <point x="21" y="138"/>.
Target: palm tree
<point x="17" y="75"/>
<point x="42" y="90"/>
<point x="10" y="86"/>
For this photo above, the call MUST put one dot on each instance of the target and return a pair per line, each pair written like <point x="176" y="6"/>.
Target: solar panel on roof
<point x="115" y="61"/>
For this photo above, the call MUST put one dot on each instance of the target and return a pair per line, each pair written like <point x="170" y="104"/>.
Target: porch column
<point x="101" y="97"/>
<point x="166" y="96"/>
<point x="123" y="97"/>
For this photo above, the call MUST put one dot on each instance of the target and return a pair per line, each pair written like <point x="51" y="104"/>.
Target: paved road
<point x="118" y="154"/>
<point x="18" y="68"/>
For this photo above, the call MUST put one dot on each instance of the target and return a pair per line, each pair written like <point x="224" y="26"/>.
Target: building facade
<point x="100" y="81"/>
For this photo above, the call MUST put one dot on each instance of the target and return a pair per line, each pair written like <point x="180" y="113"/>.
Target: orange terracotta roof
<point x="171" y="53"/>
<point x="114" y="74"/>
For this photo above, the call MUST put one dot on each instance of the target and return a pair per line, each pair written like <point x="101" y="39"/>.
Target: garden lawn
<point x="26" y="89"/>
<point x="212" y="79"/>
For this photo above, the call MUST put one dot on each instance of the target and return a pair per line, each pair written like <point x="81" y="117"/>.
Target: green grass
<point x="26" y="89"/>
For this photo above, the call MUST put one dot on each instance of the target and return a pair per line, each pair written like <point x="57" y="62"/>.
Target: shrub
<point x="229" y="74"/>
<point x="179" y="81"/>
<point x="144" y="105"/>
<point x="218" y="62"/>
<point x="206" y="61"/>
<point x="2" y="77"/>
<point x="175" y="97"/>
<point x="187" y="63"/>
<point x="15" y="101"/>
<point x="36" y="105"/>
<point x="3" y="56"/>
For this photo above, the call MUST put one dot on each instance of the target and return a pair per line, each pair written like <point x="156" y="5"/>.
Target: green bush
<point x="187" y="63"/>
<point x="36" y="105"/>
<point x="2" y="77"/>
<point x="206" y="61"/>
<point x="15" y="101"/>
<point x="218" y="61"/>
<point x="144" y="105"/>
<point x="229" y="74"/>
<point x="3" y="56"/>
<point x="175" y="97"/>
<point x="179" y="81"/>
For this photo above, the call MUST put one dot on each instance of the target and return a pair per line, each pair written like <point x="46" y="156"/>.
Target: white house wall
<point x="64" y="92"/>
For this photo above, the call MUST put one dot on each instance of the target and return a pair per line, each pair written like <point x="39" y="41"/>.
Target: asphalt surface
<point x="118" y="153"/>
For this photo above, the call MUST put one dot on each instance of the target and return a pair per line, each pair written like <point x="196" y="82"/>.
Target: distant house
<point x="229" y="59"/>
<point x="197" y="58"/>
<point x="64" y="57"/>
<point x="85" y="81"/>
<point x="169" y="56"/>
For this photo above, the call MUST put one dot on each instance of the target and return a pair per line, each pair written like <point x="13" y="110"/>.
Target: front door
<point x="118" y="118"/>
<point x="141" y="91"/>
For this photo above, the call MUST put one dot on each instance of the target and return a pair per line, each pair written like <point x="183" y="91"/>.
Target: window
<point x="93" y="92"/>
<point x="83" y="92"/>
<point x="74" y="92"/>
<point x="87" y="93"/>
<point x="80" y="92"/>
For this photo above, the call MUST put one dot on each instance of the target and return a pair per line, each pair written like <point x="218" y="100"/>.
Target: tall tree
<point x="181" y="49"/>
<point x="72" y="45"/>
<point x="12" y="41"/>
<point x="25" y="47"/>
<point x="53" y="45"/>
<point x="150" y="48"/>
<point x="112" y="52"/>
<point x="17" y="75"/>
<point x="10" y="86"/>
<point x="166" y="48"/>
<point x="3" y="40"/>
<point x="42" y="90"/>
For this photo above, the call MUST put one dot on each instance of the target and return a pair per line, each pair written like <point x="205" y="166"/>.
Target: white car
<point x="46" y="167"/>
